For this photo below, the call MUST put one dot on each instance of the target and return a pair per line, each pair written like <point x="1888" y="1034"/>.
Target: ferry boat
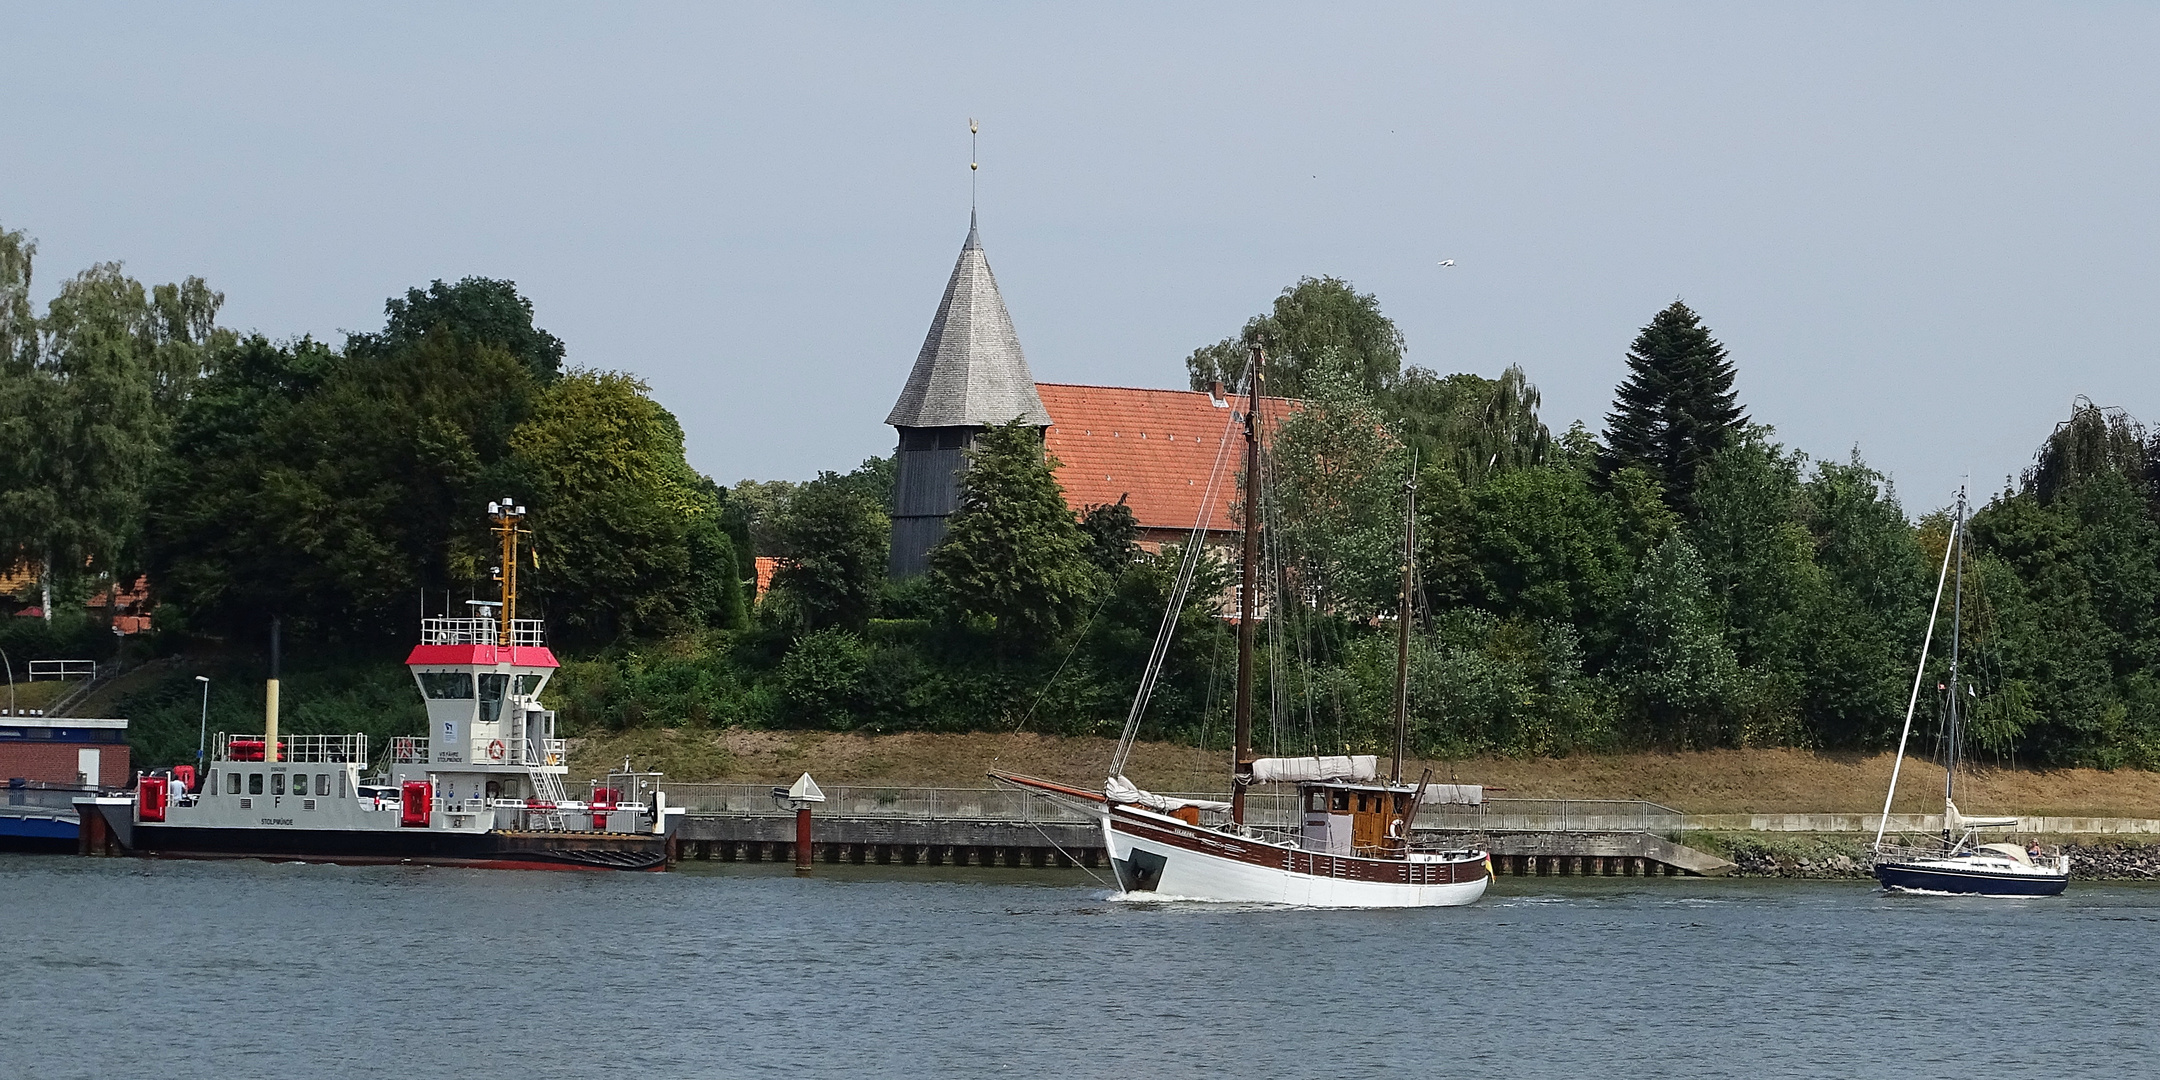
<point x="483" y="788"/>
<point x="1352" y="845"/>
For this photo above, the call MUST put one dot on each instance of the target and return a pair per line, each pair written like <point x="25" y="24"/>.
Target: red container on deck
<point x="418" y="804"/>
<point x="150" y="799"/>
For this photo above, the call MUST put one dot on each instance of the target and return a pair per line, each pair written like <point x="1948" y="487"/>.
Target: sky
<point x="1922" y="230"/>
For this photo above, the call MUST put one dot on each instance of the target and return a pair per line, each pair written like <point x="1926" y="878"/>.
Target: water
<point x="116" y="967"/>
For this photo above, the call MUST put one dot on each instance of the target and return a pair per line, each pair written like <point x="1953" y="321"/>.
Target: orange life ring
<point x="495" y="750"/>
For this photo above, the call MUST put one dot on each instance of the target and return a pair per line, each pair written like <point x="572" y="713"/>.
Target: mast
<point x="1402" y="625"/>
<point x="507" y="514"/>
<point x="1957" y="620"/>
<point x="1241" y="752"/>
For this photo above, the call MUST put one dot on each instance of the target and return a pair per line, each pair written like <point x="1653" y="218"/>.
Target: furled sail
<point x="1956" y="822"/>
<point x="1292" y="770"/>
<point x="1121" y="790"/>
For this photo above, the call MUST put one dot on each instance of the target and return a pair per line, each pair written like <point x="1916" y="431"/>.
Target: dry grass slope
<point x="1707" y="782"/>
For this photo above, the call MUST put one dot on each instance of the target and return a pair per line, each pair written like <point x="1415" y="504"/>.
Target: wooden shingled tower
<point x="970" y="375"/>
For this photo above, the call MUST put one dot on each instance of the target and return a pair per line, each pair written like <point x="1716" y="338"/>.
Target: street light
<point x="10" y="682"/>
<point x="202" y="736"/>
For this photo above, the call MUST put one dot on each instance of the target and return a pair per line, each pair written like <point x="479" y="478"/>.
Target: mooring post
<point x="800" y="797"/>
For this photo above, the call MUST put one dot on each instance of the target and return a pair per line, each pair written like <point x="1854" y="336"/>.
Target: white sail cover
<point x="1957" y="822"/>
<point x="1292" y="770"/>
<point x="1121" y="790"/>
<point x="1455" y="795"/>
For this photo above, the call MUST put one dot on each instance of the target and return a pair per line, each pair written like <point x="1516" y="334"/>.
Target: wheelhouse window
<point x="492" y="688"/>
<point x="255" y="783"/>
<point x="232" y="783"/>
<point x="447" y="684"/>
<point x="1341" y="801"/>
<point x="322" y="783"/>
<point x="299" y="784"/>
<point x="277" y="783"/>
<point x="526" y="685"/>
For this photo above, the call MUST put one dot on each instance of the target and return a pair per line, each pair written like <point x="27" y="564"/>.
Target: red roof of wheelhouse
<point x="1155" y="448"/>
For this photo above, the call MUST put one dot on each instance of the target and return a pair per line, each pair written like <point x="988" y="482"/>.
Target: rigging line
<point x="1913" y="702"/>
<point x="1187" y="566"/>
<point x="1045" y="834"/>
<point x="1078" y="640"/>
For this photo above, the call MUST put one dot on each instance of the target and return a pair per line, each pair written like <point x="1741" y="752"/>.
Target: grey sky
<point x="1920" y="229"/>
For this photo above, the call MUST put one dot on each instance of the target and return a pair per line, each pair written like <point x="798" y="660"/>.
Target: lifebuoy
<point x="495" y="750"/>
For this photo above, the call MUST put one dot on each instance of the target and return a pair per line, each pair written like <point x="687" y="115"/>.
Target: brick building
<point x="64" y="751"/>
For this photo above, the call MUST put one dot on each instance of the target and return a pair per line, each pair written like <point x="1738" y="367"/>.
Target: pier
<point x="995" y="827"/>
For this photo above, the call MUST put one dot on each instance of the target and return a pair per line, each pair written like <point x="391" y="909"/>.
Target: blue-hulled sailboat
<point x="1958" y="863"/>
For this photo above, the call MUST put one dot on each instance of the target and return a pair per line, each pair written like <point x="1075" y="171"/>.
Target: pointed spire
<point x="970" y="372"/>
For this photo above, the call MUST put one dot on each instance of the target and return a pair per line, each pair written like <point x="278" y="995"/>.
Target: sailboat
<point x="1352" y="845"/>
<point x="1959" y="862"/>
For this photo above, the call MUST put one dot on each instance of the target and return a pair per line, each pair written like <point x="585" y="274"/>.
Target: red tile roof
<point x="1156" y="448"/>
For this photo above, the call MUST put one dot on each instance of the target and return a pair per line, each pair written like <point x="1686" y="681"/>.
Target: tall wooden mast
<point x="1250" y="584"/>
<point x="1402" y="626"/>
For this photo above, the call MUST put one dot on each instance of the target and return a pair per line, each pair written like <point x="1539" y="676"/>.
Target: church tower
<point x="970" y="375"/>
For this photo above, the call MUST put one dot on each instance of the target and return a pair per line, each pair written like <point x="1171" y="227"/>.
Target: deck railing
<point x="299" y="749"/>
<point x="1263" y="810"/>
<point x="524" y="633"/>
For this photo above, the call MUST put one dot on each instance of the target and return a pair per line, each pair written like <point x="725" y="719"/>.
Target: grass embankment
<point x="35" y="695"/>
<point x="1706" y="782"/>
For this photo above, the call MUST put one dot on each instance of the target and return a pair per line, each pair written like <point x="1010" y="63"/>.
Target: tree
<point x="1336" y="475"/>
<point x="1473" y="425"/>
<point x="832" y="538"/>
<point x="477" y="310"/>
<point x="1012" y="555"/>
<point x="1862" y="630"/>
<point x="1113" y="536"/>
<point x="1537" y="545"/>
<point x="1318" y="322"/>
<point x="81" y="430"/>
<point x="627" y="536"/>
<point x="1676" y="408"/>
<point x="1678" y="680"/>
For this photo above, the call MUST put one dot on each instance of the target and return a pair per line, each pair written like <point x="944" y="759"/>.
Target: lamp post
<point x="202" y="736"/>
<point x="10" y="681"/>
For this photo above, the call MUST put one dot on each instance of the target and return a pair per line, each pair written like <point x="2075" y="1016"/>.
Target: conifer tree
<point x="1012" y="553"/>
<point x="1676" y="407"/>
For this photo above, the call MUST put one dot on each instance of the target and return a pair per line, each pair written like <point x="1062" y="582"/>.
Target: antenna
<point x="973" y="165"/>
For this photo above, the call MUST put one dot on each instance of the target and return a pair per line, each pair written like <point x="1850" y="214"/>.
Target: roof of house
<point x="1155" y="448"/>
<point x="970" y="372"/>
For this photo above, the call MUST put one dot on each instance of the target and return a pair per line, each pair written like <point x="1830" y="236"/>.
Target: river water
<point x="179" y="970"/>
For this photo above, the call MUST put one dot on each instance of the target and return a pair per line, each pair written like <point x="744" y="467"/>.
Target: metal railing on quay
<point x="63" y="669"/>
<point x="1263" y="810"/>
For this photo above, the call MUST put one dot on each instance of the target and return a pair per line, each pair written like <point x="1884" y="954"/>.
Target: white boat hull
<point x="1160" y="856"/>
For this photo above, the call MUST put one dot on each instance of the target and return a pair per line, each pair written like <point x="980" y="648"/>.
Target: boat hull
<point x="1930" y="875"/>
<point x="500" y="849"/>
<point x="48" y="833"/>
<point x="1159" y="856"/>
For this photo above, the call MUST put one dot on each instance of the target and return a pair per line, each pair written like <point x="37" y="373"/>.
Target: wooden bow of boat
<point x="1051" y="786"/>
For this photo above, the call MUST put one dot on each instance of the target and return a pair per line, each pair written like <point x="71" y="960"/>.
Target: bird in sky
<point x="1447" y="262"/>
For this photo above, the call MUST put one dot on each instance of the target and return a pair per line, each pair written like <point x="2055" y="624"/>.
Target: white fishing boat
<point x="1957" y="861"/>
<point x="1352" y="843"/>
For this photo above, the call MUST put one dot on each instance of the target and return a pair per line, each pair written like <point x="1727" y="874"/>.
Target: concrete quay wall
<point x="951" y="842"/>
<point x="1910" y="823"/>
